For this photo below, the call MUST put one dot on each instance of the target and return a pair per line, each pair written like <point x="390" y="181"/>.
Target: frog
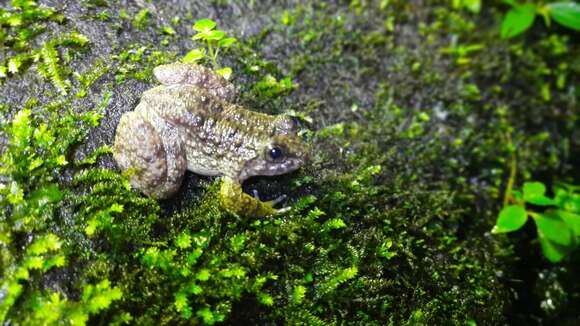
<point x="191" y="123"/>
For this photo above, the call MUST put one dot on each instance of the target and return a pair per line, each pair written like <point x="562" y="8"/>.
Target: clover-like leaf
<point x="224" y="43"/>
<point x="194" y="56"/>
<point x="204" y="25"/>
<point x="534" y="193"/>
<point x="552" y="227"/>
<point x="518" y="20"/>
<point x="510" y="218"/>
<point x="552" y="251"/>
<point x="572" y="219"/>
<point x="565" y="13"/>
<point x="215" y="35"/>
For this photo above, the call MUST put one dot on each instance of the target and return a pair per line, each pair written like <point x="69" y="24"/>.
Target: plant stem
<point x="512" y="178"/>
<point x="212" y="54"/>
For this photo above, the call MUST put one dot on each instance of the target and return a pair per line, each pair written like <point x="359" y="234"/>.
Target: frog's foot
<point x="274" y="202"/>
<point x="235" y="200"/>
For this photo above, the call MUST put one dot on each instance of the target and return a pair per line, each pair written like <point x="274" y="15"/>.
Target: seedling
<point x="213" y="41"/>
<point x="557" y="219"/>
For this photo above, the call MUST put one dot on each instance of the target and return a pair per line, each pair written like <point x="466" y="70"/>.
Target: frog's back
<point x="190" y="107"/>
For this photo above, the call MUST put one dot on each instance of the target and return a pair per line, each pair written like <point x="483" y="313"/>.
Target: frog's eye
<point x="276" y="153"/>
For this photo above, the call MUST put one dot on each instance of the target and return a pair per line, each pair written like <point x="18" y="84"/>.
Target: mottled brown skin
<point x="189" y="123"/>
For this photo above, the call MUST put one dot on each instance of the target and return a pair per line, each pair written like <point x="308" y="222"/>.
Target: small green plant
<point x="521" y="17"/>
<point x="557" y="219"/>
<point x="472" y="5"/>
<point x="214" y="41"/>
<point x="19" y="26"/>
<point x="40" y="141"/>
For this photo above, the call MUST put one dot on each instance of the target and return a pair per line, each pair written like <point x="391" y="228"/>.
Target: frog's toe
<point x="273" y="202"/>
<point x="283" y="210"/>
<point x="256" y="194"/>
<point x="279" y="200"/>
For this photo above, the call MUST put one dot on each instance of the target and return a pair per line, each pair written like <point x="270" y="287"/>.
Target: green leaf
<point x="518" y="20"/>
<point x="510" y="218"/>
<point x="568" y="201"/>
<point x="225" y="72"/>
<point x="553" y="228"/>
<point x="534" y="189"/>
<point x="194" y="55"/>
<point x="204" y="25"/>
<point x="215" y="35"/>
<point x="534" y="193"/>
<point x="572" y="219"/>
<point x="566" y="14"/>
<point x="227" y="42"/>
<point x="551" y="251"/>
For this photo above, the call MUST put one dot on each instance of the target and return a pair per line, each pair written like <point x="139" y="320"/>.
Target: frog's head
<point x="281" y="154"/>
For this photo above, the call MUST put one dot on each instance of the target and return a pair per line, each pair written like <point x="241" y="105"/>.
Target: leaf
<point x="204" y="25"/>
<point x="510" y="218"/>
<point x="566" y="14"/>
<point x="225" y="72"/>
<point x="534" y="189"/>
<point x="518" y="20"/>
<point x="568" y="201"/>
<point x="534" y="194"/>
<point x="215" y="35"/>
<point x="551" y="251"/>
<point x="194" y="55"/>
<point x="572" y="219"/>
<point x="553" y="228"/>
<point x="224" y="43"/>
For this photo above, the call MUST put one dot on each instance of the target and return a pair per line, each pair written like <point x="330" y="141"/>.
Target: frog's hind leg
<point x="153" y="167"/>
<point x="198" y="76"/>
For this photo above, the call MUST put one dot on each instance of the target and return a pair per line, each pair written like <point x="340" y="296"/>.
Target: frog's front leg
<point x="153" y="157"/>
<point x="234" y="199"/>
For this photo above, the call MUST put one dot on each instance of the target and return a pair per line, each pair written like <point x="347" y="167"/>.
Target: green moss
<point x="24" y="22"/>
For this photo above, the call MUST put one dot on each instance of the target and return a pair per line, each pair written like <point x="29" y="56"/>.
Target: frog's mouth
<point x="257" y="167"/>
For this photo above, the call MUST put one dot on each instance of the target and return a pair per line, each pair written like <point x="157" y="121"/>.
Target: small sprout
<point x="213" y="39"/>
<point x="558" y="224"/>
